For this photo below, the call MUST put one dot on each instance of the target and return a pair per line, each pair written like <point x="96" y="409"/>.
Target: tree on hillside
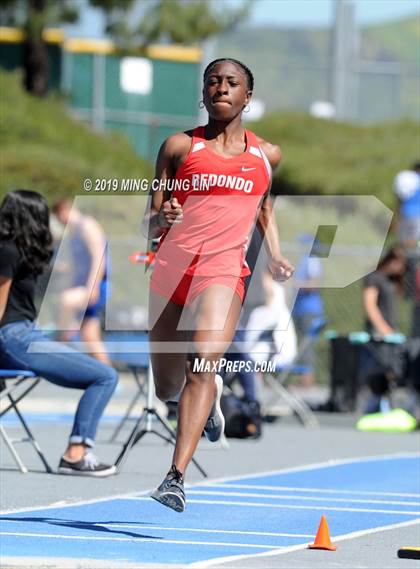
<point x="186" y="21"/>
<point x="35" y="16"/>
<point x="171" y="21"/>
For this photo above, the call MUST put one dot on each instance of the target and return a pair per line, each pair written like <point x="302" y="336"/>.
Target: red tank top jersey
<point x="220" y="198"/>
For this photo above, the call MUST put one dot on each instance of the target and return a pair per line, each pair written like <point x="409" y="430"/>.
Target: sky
<point x="320" y="12"/>
<point x="283" y="13"/>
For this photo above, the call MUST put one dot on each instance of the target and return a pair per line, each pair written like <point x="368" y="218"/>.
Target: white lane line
<point x="283" y="550"/>
<point x="43" y="562"/>
<point x="294" y="497"/>
<point x="227" y="531"/>
<point x="289" y="506"/>
<point x="198" y="530"/>
<point x="321" y="490"/>
<point x="319" y="465"/>
<point x="302" y="468"/>
<point x="136" y="540"/>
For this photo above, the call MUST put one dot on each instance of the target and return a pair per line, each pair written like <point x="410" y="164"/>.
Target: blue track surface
<point x="53" y="418"/>
<point x="243" y="516"/>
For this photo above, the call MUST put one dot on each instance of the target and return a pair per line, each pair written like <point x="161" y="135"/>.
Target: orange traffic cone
<point x="322" y="539"/>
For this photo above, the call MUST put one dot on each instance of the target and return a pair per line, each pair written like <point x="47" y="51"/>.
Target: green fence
<point x="146" y="97"/>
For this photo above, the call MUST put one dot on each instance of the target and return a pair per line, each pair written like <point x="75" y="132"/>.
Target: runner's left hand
<point x="281" y="269"/>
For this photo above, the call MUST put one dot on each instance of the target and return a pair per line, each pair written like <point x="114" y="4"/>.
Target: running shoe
<point x="171" y="492"/>
<point x="88" y="465"/>
<point x="215" y="426"/>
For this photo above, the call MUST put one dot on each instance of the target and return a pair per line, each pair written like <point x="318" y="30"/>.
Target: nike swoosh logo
<point x="247" y="169"/>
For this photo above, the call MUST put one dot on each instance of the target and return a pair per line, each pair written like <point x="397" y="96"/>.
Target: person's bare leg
<point x="168" y="367"/>
<point x="308" y="379"/>
<point x="71" y="301"/>
<point x="213" y="335"/>
<point x="91" y="335"/>
<point x="75" y="452"/>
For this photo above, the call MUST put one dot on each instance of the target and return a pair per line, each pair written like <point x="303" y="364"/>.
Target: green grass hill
<point x="393" y="41"/>
<point x="328" y="157"/>
<point x="44" y="149"/>
<point x="291" y="66"/>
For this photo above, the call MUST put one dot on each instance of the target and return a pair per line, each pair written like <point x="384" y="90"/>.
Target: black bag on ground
<point x="380" y="357"/>
<point x="344" y="385"/>
<point x="243" y="418"/>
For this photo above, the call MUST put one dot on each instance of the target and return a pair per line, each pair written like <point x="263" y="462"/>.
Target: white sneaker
<point x="215" y="426"/>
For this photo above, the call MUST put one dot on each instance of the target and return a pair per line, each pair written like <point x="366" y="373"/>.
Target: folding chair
<point x="277" y="381"/>
<point x="14" y="386"/>
<point x="121" y="348"/>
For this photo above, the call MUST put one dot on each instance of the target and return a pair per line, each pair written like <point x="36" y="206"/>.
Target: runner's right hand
<point x="170" y="213"/>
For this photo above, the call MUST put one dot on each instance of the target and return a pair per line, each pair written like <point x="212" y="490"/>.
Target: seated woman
<point x="25" y="252"/>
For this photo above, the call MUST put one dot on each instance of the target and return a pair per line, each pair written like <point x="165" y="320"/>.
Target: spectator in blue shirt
<point x="407" y="188"/>
<point x="308" y="304"/>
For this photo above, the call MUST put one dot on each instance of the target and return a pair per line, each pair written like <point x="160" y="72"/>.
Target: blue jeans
<point x="63" y="366"/>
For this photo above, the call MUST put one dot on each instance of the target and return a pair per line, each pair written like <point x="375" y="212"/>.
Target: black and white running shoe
<point x="171" y="492"/>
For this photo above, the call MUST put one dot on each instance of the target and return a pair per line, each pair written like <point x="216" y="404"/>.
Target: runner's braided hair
<point x="245" y="69"/>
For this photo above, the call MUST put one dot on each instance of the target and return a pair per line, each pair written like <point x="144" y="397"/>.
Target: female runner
<point x="217" y="180"/>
